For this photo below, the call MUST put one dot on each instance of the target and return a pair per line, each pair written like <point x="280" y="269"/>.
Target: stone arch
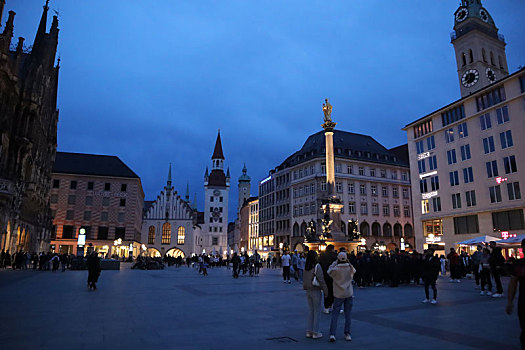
<point x="303" y="228"/>
<point x="408" y="230"/>
<point x="364" y="228"/>
<point x="484" y="55"/>
<point x="295" y="229"/>
<point x="376" y="229"/>
<point x="387" y="230"/>
<point x="492" y="58"/>
<point x="175" y="253"/>
<point x="398" y="230"/>
<point x="299" y="247"/>
<point x="153" y="253"/>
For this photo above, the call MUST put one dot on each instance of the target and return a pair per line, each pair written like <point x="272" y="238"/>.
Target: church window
<point x="151" y="235"/>
<point x="471" y="56"/>
<point x="492" y="58"/>
<point x="464" y="58"/>
<point x="500" y="62"/>
<point x="166" y="233"/>
<point x="181" y="235"/>
<point x="484" y="55"/>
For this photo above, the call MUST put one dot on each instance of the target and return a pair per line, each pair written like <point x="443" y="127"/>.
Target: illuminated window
<point x="151" y="235"/>
<point x="425" y="207"/>
<point x="166" y="233"/>
<point x="181" y="234"/>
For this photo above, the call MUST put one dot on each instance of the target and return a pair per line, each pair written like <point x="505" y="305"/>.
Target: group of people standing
<point x="42" y="262"/>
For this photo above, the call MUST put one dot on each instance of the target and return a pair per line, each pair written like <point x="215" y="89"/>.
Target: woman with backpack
<point x="313" y="283"/>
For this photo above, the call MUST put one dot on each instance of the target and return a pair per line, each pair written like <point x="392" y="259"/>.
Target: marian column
<point x="332" y="206"/>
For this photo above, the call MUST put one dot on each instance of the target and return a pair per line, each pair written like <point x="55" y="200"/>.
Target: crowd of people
<point x="33" y="261"/>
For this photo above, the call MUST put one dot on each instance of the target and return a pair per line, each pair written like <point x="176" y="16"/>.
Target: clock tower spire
<point x="480" y="49"/>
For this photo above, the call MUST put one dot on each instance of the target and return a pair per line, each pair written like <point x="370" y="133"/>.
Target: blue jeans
<point x="300" y="272"/>
<point x="347" y="302"/>
<point x="314" y="310"/>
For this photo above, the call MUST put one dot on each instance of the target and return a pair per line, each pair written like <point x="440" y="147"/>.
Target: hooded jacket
<point x="342" y="274"/>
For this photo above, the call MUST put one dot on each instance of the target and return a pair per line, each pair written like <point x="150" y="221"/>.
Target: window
<point x="449" y="135"/>
<point x="323" y="186"/>
<point x="215" y="240"/>
<point x="436" y="203"/>
<point x="123" y="187"/>
<point x="386" y="210"/>
<point x="431" y="143"/>
<point x="432" y="163"/>
<point x="372" y="172"/>
<point x="351" y="207"/>
<point x="181" y="235"/>
<point x="425" y="209"/>
<point x="465" y="152"/>
<point x="397" y="212"/>
<point x="56" y="183"/>
<point x="211" y="198"/>
<point x="491" y="98"/>
<point x="456" y="201"/>
<point x="103" y="232"/>
<point x="462" y="130"/>
<point x="349" y="169"/>
<point x="434" y="183"/>
<point x="470" y="198"/>
<point x="90" y="185"/>
<point x="375" y="209"/>
<point x="466" y="224"/>
<point x="122" y="202"/>
<point x="514" y="190"/>
<point x="73" y="185"/>
<point x="421" y="166"/>
<point x="70" y="215"/>
<point x="506" y="139"/>
<point x="220" y="199"/>
<point x="104" y="216"/>
<point x="423" y="186"/>
<point x="406" y="211"/>
<point x="364" y="208"/>
<point x="151" y="235"/>
<point x="488" y="144"/>
<point x="510" y="164"/>
<point x="339" y="187"/>
<point x="361" y="171"/>
<point x="373" y="190"/>
<point x="105" y="201"/>
<point x="393" y="175"/>
<point x="68" y="231"/>
<point x="107" y="186"/>
<point x="337" y="169"/>
<point x="454" y="178"/>
<point x="485" y="122"/>
<point x="495" y="194"/>
<point x="71" y="199"/>
<point x="362" y="189"/>
<point x="468" y="175"/>
<point x="395" y="192"/>
<point x="87" y="215"/>
<point x="351" y="188"/>
<point x="502" y="114"/>
<point x="120" y="232"/>
<point x="452" y="115"/>
<point x="451" y="156"/>
<point x="423" y="128"/>
<point x="53" y="198"/>
<point x="166" y="233"/>
<point x="383" y="173"/>
<point x="492" y="169"/>
<point x="121" y="217"/>
<point x="508" y="220"/>
<point x="405" y="193"/>
<point x="384" y="191"/>
<point x="420" y="147"/>
<point x="404" y="176"/>
<point x="89" y="200"/>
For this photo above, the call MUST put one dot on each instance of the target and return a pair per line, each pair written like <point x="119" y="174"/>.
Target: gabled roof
<point x="217" y="152"/>
<point x="91" y="164"/>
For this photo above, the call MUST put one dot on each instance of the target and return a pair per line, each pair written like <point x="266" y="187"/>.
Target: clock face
<point x="491" y="75"/>
<point x="216" y="193"/>
<point x="216" y="214"/>
<point x="484" y="15"/>
<point x="470" y="78"/>
<point x="461" y="14"/>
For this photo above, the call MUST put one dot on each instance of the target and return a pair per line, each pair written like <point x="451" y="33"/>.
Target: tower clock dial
<point x="470" y="78"/>
<point x="216" y="214"/>
<point x="483" y="14"/>
<point x="461" y="14"/>
<point x="491" y="75"/>
<point x="216" y="193"/>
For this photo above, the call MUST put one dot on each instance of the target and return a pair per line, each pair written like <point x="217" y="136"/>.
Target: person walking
<point x="325" y="260"/>
<point x="286" y="260"/>
<point x="342" y="274"/>
<point x="518" y="277"/>
<point x="431" y="267"/>
<point x="295" y="259"/>
<point x="301" y="263"/>
<point x="484" y="267"/>
<point x="55" y="262"/>
<point x="443" y="262"/>
<point x="313" y="284"/>
<point x="93" y="266"/>
<point x="453" y="259"/>
<point x="236" y="261"/>
<point x="476" y="259"/>
<point x="497" y="262"/>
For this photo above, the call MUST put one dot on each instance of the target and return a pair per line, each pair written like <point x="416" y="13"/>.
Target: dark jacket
<point x="496" y="258"/>
<point x="326" y="259"/>
<point x="431" y="266"/>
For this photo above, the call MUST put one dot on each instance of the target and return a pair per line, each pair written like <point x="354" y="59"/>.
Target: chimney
<point x="2" y="4"/>
<point x="20" y="45"/>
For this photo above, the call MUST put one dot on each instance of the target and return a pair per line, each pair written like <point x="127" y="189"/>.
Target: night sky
<point x="152" y="81"/>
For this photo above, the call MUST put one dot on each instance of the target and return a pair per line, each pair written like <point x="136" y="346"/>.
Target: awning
<point x="478" y="240"/>
<point x="512" y="241"/>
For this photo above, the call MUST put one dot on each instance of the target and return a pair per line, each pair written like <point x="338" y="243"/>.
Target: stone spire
<point x="41" y="31"/>
<point x="187" y="196"/>
<point x="169" y="177"/>
<point x="217" y="151"/>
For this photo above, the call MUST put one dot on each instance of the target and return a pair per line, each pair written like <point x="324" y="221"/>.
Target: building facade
<point x="372" y="182"/>
<point x="28" y="135"/>
<point x="101" y="195"/>
<point x="466" y="157"/>
<point x="170" y="226"/>
<point x="254" y="242"/>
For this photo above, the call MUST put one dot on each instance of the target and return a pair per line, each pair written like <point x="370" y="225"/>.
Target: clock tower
<point x="216" y="190"/>
<point x="480" y="50"/>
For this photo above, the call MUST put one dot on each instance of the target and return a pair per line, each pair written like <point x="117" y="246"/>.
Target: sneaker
<point x="289" y="282"/>
<point x="434" y="302"/>
<point x="457" y="281"/>
<point x="326" y="311"/>
<point x="332" y="338"/>
<point x="284" y="281"/>
<point x="497" y="295"/>
<point x="425" y="301"/>
<point x="482" y="292"/>
<point x="309" y="334"/>
<point x="348" y="337"/>
<point x="452" y="281"/>
<point x="489" y="293"/>
<point x="317" y="335"/>
<point x="342" y="311"/>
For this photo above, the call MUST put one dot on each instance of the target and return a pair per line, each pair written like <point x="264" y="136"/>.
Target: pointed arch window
<point x="166" y="233"/>
<point x="181" y="235"/>
<point x="501" y="62"/>
<point x="471" y="56"/>
<point x="484" y="55"/>
<point x="464" y="58"/>
<point x="151" y="235"/>
<point x="492" y="58"/>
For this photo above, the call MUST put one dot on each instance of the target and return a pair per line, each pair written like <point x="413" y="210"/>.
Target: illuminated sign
<point x="429" y="195"/>
<point x="423" y="155"/>
<point x="267" y="179"/>
<point x="500" y="179"/>
<point x="421" y="176"/>
<point x="506" y="235"/>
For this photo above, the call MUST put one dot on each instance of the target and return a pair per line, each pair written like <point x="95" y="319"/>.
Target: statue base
<point x="319" y="247"/>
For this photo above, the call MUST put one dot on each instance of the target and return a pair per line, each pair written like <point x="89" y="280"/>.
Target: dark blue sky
<point x="152" y="81"/>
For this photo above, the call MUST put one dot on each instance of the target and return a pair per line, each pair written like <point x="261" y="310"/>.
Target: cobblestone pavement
<point x="179" y="309"/>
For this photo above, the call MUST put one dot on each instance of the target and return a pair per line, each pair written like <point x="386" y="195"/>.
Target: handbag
<point x="315" y="282"/>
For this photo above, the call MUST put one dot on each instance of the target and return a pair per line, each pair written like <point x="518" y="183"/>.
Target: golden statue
<point x="327" y="110"/>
